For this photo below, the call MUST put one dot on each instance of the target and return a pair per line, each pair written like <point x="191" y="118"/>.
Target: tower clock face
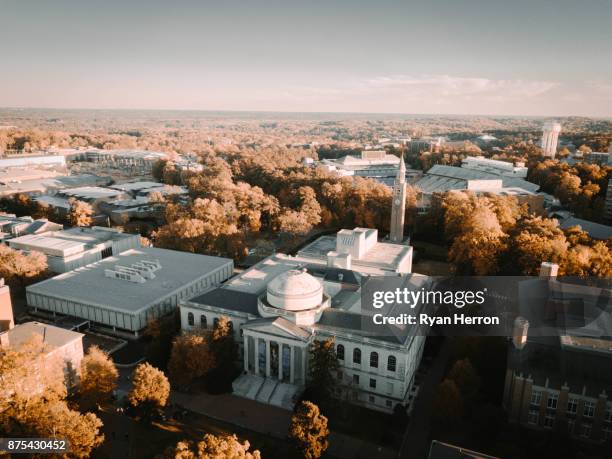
<point x="397" y="202"/>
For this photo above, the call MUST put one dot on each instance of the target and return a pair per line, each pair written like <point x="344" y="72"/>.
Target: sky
<point x="489" y="57"/>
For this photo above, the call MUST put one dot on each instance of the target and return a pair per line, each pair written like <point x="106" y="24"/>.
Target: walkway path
<point x="272" y="421"/>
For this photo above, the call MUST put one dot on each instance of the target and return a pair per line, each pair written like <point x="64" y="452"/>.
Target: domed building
<point x="279" y="306"/>
<point x="295" y="295"/>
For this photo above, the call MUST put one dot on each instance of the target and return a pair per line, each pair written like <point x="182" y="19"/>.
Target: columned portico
<point x="275" y="356"/>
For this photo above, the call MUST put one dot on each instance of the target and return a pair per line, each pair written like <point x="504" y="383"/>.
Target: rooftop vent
<point x="137" y="272"/>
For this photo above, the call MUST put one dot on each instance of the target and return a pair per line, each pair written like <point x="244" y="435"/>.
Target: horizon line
<point x="596" y="117"/>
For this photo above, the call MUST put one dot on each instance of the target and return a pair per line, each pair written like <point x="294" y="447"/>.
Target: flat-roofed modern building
<point x="75" y="247"/>
<point x="123" y="292"/>
<point x="494" y="166"/>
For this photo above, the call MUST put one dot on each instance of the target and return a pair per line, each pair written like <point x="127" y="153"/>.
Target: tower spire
<point x="398" y="206"/>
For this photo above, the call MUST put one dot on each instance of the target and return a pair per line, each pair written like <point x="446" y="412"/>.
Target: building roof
<point x="69" y="241"/>
<point x="442" y="178"/>
<point x="89" y="284"/>
<point x="53" y="336"/>
<point x="226" y="298"/>
<point x="595" y="230"/>
<point x="383" y="256"/>
<point x="92" y="192"/>
<point x="439" y="450"/>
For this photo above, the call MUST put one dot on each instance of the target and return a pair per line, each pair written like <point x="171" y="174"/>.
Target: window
<point x="389" y="403"/>
<point x="389" y="388"/>
<point x="374" y="359"/>
<point x="533" y="417"/>
<point x="572" y="405"/>
<point x="356" y="355"/>
<point x="391" y="363"/>
<point x="203" y="322"/>
<point x="608" y="414"/>
<point x="589" y="409"/>
<point x="585" y="430"/>
<point x="340" y="352"/>
<point x="371" y="399"/>
<point x="190" y="319"/>
<point x="536" y="397"/>
<point x="607" y="433"/>
<point x="553" y="399"/>
<point x="356" y="380"/>
<point x="215" y="322"/>
<point x="372" y="383"/>
<point x="570" y="426"/>
<point x="231" y="326"/>
<point x="549" y="421"/>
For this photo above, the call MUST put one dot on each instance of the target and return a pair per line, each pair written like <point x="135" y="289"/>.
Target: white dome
<point x="295" y="290"/>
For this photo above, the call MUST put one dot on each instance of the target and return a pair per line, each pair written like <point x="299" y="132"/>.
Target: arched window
<point x="340" y="352"/>
<point x="231" y="326"/>
<point x="190" y="319"/>
<point x="391" y="363"/>
<point x="215" y="322"/>
<point x="374" y="359"/>
<point x="356" y="355"/>
<point x="203" y="322"/>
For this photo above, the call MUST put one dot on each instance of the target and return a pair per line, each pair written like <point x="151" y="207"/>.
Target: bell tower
<point x="398" y="208"/>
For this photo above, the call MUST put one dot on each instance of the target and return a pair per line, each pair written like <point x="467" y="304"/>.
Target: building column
<point x="280" y="361"/>
<point x="267" y="358"/>
<point x="292" y="365"/>
<point x="246" y="352"/>
<point x="256" y="355"/>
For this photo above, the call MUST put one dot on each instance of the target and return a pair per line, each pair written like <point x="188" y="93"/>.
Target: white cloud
<point x="439" y="89"/>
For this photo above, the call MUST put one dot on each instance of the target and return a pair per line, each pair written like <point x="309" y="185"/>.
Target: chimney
<point x="520" y="332"/>
<point x="548" y="269"/>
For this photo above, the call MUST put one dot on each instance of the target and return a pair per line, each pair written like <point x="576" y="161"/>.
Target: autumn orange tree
<point x="99" y="377"/>
<point x="211" y="446"/>
<point x="309" y="431"/>
<point x="32" y="399"/>
<point x="150" y="389"/>
<point x="191" y="357"/>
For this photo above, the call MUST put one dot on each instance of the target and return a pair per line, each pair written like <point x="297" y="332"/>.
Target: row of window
<point x="572" y="405"/>
<point x="204" y="321"/>
<point x="391" y="360"/>
<point x="371" y="398"/>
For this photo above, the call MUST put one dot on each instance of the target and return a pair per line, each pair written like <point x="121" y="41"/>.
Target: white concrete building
<point x="76" y="247"/>
<point x="123" y="292"/>
<point x="550" y="138"/>
<point x="281" y="305"/>
<point x="61" y="349"/>
<point x="12" y="226"/>
<point x="376" y="164"/>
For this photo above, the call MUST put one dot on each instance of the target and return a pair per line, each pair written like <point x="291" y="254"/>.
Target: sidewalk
<point x="271" y="420"/>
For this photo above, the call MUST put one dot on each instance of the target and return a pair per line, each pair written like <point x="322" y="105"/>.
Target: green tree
<point x="323" y="367"/>
<point x="225" y="354"/>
